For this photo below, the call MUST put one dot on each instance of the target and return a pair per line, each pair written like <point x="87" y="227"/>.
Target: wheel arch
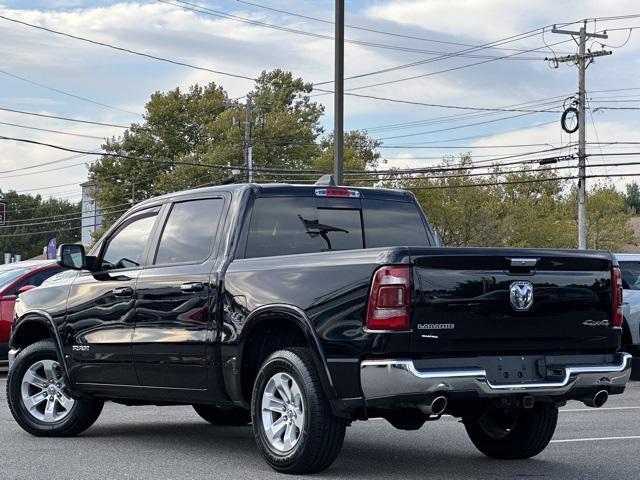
<point x="299" y="332"/>
<point x="34" y="326"/>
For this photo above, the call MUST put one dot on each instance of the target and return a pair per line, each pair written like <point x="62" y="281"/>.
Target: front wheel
<point x="293" y="424"/>
<point x="39" y="397"/>
<point x="513" y="433"/>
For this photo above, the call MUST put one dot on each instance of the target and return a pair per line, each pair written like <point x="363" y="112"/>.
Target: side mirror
<point x="71" y="255"/>
<point x="25" y="288"/>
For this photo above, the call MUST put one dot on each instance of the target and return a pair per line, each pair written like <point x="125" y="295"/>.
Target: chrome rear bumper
<point x="390" y="378"/>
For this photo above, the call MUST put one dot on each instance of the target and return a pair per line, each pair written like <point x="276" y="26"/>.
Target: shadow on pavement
<point x="360" y="457"/>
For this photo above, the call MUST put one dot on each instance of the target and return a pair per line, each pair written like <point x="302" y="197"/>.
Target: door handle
<point x="192" y="287"/>
<point x="122" y="292"/>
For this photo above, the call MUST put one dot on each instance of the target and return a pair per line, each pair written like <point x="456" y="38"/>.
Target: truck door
<point x="100" y="315"/>
<point x="174" y="342"/>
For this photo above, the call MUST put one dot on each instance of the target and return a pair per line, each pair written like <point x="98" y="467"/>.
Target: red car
<point x="16" y="278"/>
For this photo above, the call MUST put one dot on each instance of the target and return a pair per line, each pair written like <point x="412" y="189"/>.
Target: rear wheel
<point x="223" y="416"/>
<point x="293" y="424"/>
<point x="513" y="433"/>
<point x="39" y="397"/>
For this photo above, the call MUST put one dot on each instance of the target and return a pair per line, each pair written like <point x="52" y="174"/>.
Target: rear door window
<point x="190" y="231"/>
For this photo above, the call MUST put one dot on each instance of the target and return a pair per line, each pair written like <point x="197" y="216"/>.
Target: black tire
<point x="514" y="434"/>
<point x="321" y="438"/>
<point x="81" y="416"/>
<point x="223" y="416"/>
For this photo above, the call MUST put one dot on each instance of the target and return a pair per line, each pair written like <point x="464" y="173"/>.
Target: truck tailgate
<point x="476" y="301"/>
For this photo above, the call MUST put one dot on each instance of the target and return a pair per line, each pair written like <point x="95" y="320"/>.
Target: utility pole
<point x="248" y="123"/>
<point x="582" y="60"/>
<point x="248" y="147"/>
<point x="338" y="96"/>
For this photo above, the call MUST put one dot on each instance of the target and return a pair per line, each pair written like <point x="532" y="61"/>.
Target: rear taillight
<point x="390" y="300"/>
<point x="616" y="300"/>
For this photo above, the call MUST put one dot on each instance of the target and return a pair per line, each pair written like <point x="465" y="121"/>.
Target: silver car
<point x="630" y="266"/>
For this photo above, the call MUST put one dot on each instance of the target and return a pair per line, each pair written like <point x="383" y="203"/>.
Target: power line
<point x="71" y="134"/>
<point x="126" y="50"/>
<point x="440" y="105"/>
<point x="50" y="162"/>
<point x="512" y="38"/>
<point x="56" y="117"/>
<point x="512" y="182"/>
<point x="220" y="14"/>
<point x="14" y="223"/>
<point x="517" y="37"/>
<point x="68" y="94"/>
<point x="132" y="157"/>
<point x="462" y="116"/>
<point x="53" y="230"/>
<point x="44" y="171"/>
<point x="615" y="108"/>
<point x="64" y="220"/>
<point x="424" y="75"/>
<point x="467" y="125"/>
<point x="371" y="30"/>
<point x="495" y="172"/>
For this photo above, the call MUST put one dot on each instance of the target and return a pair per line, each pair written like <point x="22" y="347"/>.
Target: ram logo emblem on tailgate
<point x="521" y="295"/>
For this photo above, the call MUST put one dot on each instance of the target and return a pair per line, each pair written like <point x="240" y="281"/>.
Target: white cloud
<point x="493" y="19"/>
<point x="125" y="81"/>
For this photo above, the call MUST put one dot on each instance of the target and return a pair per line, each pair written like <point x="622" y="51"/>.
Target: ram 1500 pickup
<point x="301" y="309"/>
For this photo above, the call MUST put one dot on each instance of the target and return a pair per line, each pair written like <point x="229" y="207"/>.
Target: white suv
<point x="630" y="266"/>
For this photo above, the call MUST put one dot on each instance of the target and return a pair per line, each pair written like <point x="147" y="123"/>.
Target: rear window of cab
<point x="292" y="225"/>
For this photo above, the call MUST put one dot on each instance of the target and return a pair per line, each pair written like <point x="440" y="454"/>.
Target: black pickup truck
<point x="301" y="309"/>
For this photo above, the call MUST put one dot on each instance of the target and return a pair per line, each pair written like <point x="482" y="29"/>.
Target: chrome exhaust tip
<point x="597" y="400"/>
<point x="439" y="405"/>
<point x="435" y="407"/>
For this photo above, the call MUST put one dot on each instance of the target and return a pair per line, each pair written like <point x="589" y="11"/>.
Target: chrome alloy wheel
<point x="282" y="412"/>
<point x="44" y="392"/>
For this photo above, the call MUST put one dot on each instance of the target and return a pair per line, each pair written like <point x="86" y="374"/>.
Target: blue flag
<point x="52" y="247"/>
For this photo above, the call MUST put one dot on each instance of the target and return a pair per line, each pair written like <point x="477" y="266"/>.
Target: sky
<point x="112" y="87"/>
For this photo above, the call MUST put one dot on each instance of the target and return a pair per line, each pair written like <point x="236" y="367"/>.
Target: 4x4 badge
<point x="521" y="296"/>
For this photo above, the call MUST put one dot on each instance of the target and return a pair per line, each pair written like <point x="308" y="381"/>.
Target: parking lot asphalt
<point x="174" y="443"/>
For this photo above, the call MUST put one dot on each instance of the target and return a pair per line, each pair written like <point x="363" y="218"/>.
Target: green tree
<point x="607" y="219"/>
<point x="32" y="221"/>
<point x="533" y="207"/>
<point x="530" y="208"/>
<point x="632" y="197"/>
<point x="360" y="152"/>
<point x="198" y="135"/>
<point x="464" y="213"/>
<point x="175" y="128"/>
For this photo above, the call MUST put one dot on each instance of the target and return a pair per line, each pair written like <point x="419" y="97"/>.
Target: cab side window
<point x="190" y="231"/>
<point x="126" y="246"/>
